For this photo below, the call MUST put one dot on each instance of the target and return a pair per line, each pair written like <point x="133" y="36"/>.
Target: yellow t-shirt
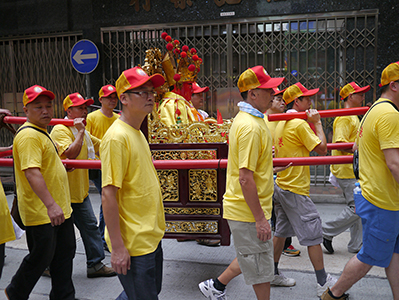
<point x="7" y="230"/>
<point x="345" y="130"/>
<point x="380" y="131"/>
<point x="126" y="163"/>
<point x="32" y="149"/>
<point x="294" y="138"/>
<point x="98" y="123"/>
<point x="78" y="178"/>
<point x="272" y="127"/>
<point x="250" y="147"/>
<point x="171" y="103"/>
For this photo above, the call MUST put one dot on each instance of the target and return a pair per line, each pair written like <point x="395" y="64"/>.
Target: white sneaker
<point x="281" y="280"/>
<point x="329" y="283"/>
<point x="208" y="290"/>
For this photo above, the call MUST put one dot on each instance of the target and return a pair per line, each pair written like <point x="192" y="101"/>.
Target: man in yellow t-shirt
<point x="98" y="123"/>
<point x="377" y="205"/>
<point x="344" y="131"/>
<point x="44" y="202"/>
<point x="75" y="142"/>
<point x="247" y="203"/>
<point x="7" y="230"/>
<point x="277" y="106"/>
<point x="101" y="119"/>
<point x="296" y="214"/>
<point x="197" y="99"/>
<point x="132" y="200"/>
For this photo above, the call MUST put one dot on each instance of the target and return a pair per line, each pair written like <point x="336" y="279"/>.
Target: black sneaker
<point x="328" y="245"/>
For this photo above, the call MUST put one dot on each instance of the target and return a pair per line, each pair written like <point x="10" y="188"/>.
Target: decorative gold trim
<point x="192" y="227"/>
<point x="192" y="211"/>
<point x="196" y="132"/>
<point x="203" y="185"/>
<point x="183" y="154"/>
<point x="169" y="182"/>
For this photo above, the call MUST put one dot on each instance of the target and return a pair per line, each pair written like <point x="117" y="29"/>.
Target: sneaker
<point x="329" y="283"/>
<point x="328" y="245"/>
<point x="208" y="290"/>
<point x="326" y="296"/>
<point x="281" y="280"/>
<point x="291" y="251"/>
<point x="100" y="270"/>
<point x="46" y="272"/>
<point x="208" y="242"/>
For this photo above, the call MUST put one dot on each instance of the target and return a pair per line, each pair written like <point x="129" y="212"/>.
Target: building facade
<point x="322" y="44"/>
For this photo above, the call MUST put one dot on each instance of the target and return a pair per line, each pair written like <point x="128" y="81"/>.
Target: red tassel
<point x="219" y="117"/>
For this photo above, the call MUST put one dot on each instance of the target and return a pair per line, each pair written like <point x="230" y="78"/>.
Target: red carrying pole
<point x="339" y="146"/>
<point x="328" y="113"/>
<point x="6" y="153"/>
<point x="206" y="164"/>
<point x="22" y="120"/>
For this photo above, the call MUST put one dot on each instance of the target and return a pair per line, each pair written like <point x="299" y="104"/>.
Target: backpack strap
<point x="41" y="131"/>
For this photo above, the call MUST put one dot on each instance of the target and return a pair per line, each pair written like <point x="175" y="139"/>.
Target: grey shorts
<point x="254" y="256"/>
<point x="297" y="215"/>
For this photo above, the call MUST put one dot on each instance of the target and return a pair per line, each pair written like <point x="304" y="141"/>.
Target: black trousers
<point x="48" y="246"/>
<point x="2" y="253"/>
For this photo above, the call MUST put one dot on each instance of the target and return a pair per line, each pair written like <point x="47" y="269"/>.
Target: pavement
<point x="187" y="263"/>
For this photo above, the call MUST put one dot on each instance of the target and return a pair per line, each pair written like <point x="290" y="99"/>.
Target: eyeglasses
<point x="143" y="94"/>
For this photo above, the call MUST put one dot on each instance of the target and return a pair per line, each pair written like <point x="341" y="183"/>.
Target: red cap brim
<point x="363" y="89"/>
<point x="48" y="94"/>
<point x="109" y="93"/>
<point x="272" y="83"/>
<point x="280" y="92"/>
<point x="88" y="102"/>
<point x="310" y="93"/>
<point x="200" y="90"/>
<point x="157" y="80"/>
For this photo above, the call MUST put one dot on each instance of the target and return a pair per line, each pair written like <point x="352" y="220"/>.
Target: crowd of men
<point x="51" y="199"/>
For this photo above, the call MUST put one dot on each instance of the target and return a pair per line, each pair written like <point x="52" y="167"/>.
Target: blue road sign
<point x="84" y="56"/>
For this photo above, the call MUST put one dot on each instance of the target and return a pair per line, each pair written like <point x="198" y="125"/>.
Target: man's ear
<point x="68" y="111"/>
<point x="251" y="94"/>
<point x="122" y="99"/>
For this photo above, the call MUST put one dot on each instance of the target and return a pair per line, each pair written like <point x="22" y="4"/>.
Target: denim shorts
<point x="380" y="233"/>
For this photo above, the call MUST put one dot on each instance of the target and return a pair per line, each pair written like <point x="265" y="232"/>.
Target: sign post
<point x="84" y="59"/>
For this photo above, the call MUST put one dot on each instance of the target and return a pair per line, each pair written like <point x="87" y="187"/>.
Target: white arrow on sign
<point x="79" y="56"/>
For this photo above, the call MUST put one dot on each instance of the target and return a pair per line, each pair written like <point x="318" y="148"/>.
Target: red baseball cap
<point x="197" y="89"/>
<point x="107" y="90"/>
<point x="277" y="91"/>
<point x="352" y="88"/>
<point x="76" y="99"/>
<point x="297" y="90"/>
<point x="30" y="94"/>
<point x="135" y="77"/>
<point x="257" y="78"/>
<point x="390" y="73"/>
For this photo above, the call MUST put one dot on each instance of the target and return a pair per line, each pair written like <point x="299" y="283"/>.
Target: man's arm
<point x="314" y="117"/>
<point x="120" y="257"/>
<point x="248" y="186"/>
<point x="38" y="185"/>
<point x="75" y="147"/>
<point x="392" y="160"/>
